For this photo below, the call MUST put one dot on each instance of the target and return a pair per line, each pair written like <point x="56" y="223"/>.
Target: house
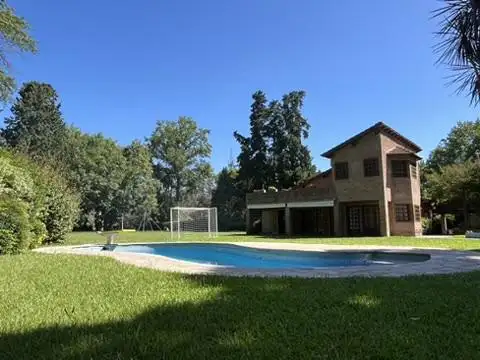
<point x="372" y="189"/>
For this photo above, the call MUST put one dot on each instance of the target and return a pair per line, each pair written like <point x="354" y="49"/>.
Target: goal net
<point x="193" y="221"/>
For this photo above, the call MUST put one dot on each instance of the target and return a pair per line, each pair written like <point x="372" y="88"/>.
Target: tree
<point x="254" y="169"/>
<point x="36" y="126"/>
<point x="459" y="46"/>
<point x="96" y="166"/>
<point x="181" y="151"/>
<point x="288" y="127"/>
<point x="455" y="184"/>
<point x="14" y="38"/>
<point x="229" y="200"/>
<point x="461" y="144"/>
<point x="450" y="175"/>
<point x="274" y="154"/>
<point x="36" y="204"/>
<point x="138" y="190"/>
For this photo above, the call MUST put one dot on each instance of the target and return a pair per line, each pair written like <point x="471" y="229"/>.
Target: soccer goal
<point x="193" y="221"/>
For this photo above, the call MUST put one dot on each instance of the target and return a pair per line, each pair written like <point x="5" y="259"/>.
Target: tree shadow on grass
<point x="254" y="318"/>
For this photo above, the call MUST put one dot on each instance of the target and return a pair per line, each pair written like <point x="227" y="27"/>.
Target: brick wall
<point x="400" y="190"/>
<point x="358" y="187"/>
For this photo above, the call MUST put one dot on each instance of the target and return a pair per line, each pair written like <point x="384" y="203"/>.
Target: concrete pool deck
<point x="442" y="261"/>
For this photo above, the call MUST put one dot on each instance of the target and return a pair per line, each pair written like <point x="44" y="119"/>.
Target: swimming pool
<point x="230" y="255"/>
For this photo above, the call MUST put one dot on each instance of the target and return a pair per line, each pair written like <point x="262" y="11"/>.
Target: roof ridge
<point x="381" y="127"/>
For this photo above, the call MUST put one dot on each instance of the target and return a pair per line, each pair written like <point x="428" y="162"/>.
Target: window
<point x="370" y="167"/>
<point x="341" y="170"/>
<point x="399" y="168"/>
<point x="418" y="214"/>
<point x="413" y="171"/>
<point x="402" y="212"/>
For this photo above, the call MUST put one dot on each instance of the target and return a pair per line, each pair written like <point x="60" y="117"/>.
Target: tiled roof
<point x="401" y="151"/>
<point x="378" y="127"/>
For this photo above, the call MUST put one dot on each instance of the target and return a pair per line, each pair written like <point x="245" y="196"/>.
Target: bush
<point x="19" y="229"/>
<point x="36" y="204"/>
<point x="61" y="206"/>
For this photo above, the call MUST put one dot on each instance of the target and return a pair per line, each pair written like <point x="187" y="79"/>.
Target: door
<point x="354" y="220"/>
<point x="371" y="221"/>
<point x="281" y="222"/>
<point x="363" y="220"/>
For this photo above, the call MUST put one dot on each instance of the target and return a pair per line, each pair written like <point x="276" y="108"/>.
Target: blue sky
<point x="119" y="66"/>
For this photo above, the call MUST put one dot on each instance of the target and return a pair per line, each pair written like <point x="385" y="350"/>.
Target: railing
<point x="285" y="196"/>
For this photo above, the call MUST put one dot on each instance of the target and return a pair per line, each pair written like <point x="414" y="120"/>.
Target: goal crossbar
<point x="191" y="208"/>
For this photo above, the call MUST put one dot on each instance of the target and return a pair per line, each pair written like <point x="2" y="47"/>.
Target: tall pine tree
<point x="36" y="126"/>
<point x="274" y="153"/>
<point x="295" y="157"/>
<point x="254" y="170"/>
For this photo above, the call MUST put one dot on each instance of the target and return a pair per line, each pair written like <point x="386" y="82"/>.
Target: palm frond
<point x="459" y="44"/>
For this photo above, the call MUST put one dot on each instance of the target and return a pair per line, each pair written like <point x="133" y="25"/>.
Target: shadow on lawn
<point x="280" y="319"/>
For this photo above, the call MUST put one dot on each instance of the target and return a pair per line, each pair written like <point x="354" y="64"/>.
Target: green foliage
<point x="36" y="126"/>
<point x="450" y="177"/>
<point x="274" y="154"/>
<point x="228" y="199"/>
<point x="61" y="208"/>
<point x="291" y="159"/>
<point x="459" y="36"/>
<point x="138" y="190"/>
<point x="181" y="150"/>
<point x="15" y="38"/>
<point x="17" y="226"/>
<point x="253" y="161"/>
<point x="461" y="144"/>
<point x="96" y="167"/>
<point x="37" y="205"/>
<point x="457" y="181"/>
<point x="20" y="207"/>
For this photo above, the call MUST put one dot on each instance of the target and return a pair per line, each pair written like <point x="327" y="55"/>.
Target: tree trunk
<point x="466" y="215"/>
<point x="444" y="224"/>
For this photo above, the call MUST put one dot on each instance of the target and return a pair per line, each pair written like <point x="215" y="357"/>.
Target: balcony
<point x="290" y="196"/>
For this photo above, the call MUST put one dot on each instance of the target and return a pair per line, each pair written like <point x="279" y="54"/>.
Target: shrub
<point x="62" y="210"/>
<point x="36" y="206"/>
<point x="16" y="224"/>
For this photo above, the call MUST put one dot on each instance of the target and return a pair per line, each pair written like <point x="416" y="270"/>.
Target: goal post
<point x="193" y="221"/>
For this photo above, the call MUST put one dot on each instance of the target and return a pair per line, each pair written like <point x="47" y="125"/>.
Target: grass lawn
<point x="459" y="242"/>
<point x="82" y="307"/>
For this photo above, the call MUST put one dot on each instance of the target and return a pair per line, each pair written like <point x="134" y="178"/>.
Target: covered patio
<point x="298" y="212"/>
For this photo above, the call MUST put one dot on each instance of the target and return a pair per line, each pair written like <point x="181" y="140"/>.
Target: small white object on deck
<point x="110" y="235"/>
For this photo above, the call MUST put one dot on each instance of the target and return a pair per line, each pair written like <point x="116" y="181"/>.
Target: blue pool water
<point x="247" y="257"/>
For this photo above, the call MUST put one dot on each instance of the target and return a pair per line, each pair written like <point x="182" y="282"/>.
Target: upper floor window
<point x="418" y="214"/>
<point x="399" y="168"/>
<point x="402" y="212"/>
<point x="341" y="170"/>
<point x="413" y="171"/>
<point x="370" y="167"/>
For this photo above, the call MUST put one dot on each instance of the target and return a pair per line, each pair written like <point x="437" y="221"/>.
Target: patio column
<point x="384" y="218"/>
<point x="247" y="221"/>
<point x="288" y="221"/>
<point x="337" y="219"/>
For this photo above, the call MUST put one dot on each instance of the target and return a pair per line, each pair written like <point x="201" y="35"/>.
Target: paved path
<point x="441" y="261"/>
